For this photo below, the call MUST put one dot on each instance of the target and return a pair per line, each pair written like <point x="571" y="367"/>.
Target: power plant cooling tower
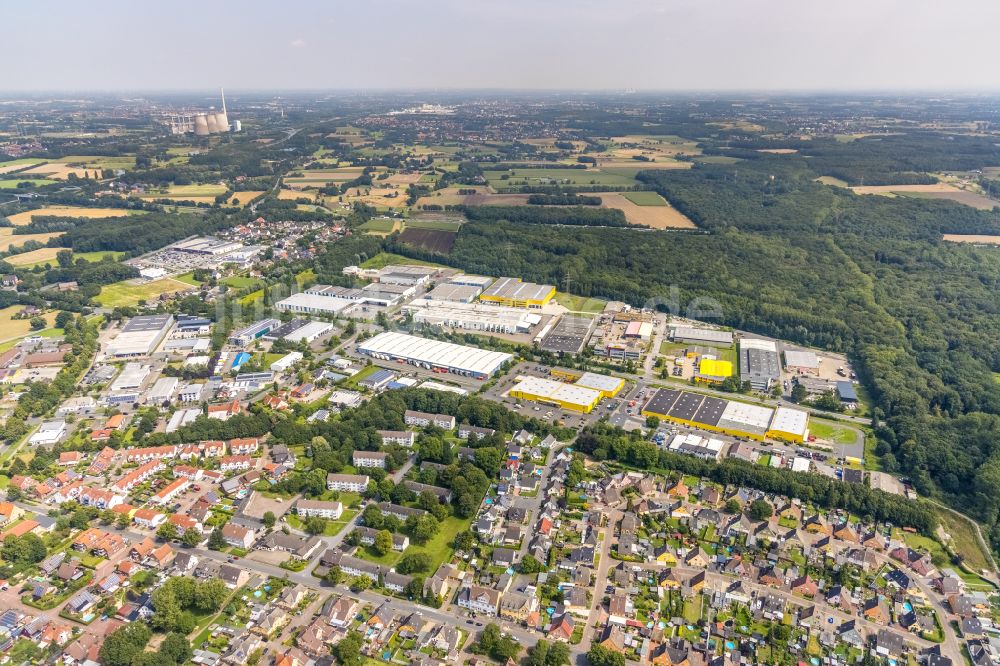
<point x="222" y="122"/>
<point x="201" y="125"/>
<point x="213" y="125"/>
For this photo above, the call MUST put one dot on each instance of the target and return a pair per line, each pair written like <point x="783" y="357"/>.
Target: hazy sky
<point x="556" y="44"/>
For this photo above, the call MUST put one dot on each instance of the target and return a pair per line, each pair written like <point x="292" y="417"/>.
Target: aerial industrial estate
<point x="318" y="379"/>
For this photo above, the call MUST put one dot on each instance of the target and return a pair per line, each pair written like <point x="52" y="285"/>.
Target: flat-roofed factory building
<point x="472" y="316"/>
<point x="435" y="354"/>
<point x="737" y="419"/>
<point x="701" y="335"/>
<point x="607" y="385"/>
<point x="514" y="293"/>
<point x="141" y="336"/>
<point x="558" y="394"/>
<point x="759" y="363"/>
<point x="789" y="424"/>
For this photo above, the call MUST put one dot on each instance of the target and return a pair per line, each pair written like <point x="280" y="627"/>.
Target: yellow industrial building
<point x="558" y="394"/>
<point x="514" y="293"/>
<point x="737" y="419"/>
<point x="608" y="386"/>
<point x="713" y="371"/>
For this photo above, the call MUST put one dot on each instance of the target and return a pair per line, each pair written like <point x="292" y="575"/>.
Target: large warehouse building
<point x="140" y="336"/>
<point x="607" y="385"/>
<point x="558" y="394"/>
<point x="516" y="294"/>
<point x="737" y="419"/>
<point x="759" y="363"/>
<point x="313" y="304"/>
<point x="701" y="335"/>
<point x="473" y="316"/>
<point x="434" y="354"/>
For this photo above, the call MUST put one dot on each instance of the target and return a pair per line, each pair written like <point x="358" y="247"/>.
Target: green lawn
<point x="580" y="303"/>
<point x="123" y="293"/>
<point x="35" y="182"/>
<point x="333" y="527"/>
<point x="239" y="281"/>
<point x="564" y="177"/>
<point x="389" y="559"/>
<point x="379" y="225"/>
<point x="831" y="431"/>
<point x="188" y="278"/>
<point x="384" y="259"/>
<point x="646" y="198"/>
<point x="963" y="540"/>
<point x="440" y="547"/>
<point x="439" y="225"/>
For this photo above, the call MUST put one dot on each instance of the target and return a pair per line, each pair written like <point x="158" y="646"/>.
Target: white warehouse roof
<point x="605" y="383"/>
<point x="757" y="343"/>
<point x="303" y="302"/>
<point x="801" y="359"/>
<point x="558" y="391"/>
<point x="436" y="353"/>
<point x="750" y="417"/>
<point x="703" y="334"/>
<point x="794" y="421"/>
<point x="309" y="332"/>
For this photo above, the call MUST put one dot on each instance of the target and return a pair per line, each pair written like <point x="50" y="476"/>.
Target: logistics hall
<point x="737" y="419"/>
<point x="434" y="354"/>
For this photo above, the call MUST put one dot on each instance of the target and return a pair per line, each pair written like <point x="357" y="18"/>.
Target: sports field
<point x="127" y="293"/>
<point x="70" y="211"/>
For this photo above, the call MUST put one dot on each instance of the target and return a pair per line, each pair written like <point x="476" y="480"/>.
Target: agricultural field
<point x="831" y="180"/>
<point x="323" y="177"/>
<point x="58" y="170"/>
<point x="128" y="293"/>
<point x="244" y="198"/>
<point x="100" y="162"/>
<point x="383" y="259"/>
<point x="294" y="195"/>
<point x="778" y="151"/>
<point x="933" y="191"/>
<point x="8" y="241"/>
<point x="17" y="165"/>
<point x="430" y="221"/>
<point x="379" y="198"/>
<point x="567" y="177"/>
<point x="12" y="183"/>
<point x="971" y="238"/>
<point x="432" y="240"/>
<point x="402" y="179"/>
<point x="12" y="329"/>
<point x="40" y="256"/>
<point x="204" y="193"/>
<point x="647" y="152"/>
<point x="86" y="256"/>
<point x="381" y="226"/>
<point x="70" y="211"/>
<point x="448" y="196"/>
<point x="655" y="217"/>
<point x="646" y="199"/>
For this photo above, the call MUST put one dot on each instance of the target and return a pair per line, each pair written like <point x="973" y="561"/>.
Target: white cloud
<point x="298" y="43"/>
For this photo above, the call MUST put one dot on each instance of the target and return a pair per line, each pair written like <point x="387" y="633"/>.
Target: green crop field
<point x="36" y="182"/>
<point x="122" y="294"/>
<point x="379" y="225"/>
<point x="86" y="256"/>
<point x="570" y="177"/>
<point x="239" y="281"/>
<point x="437" y="225"/>
<point x="646" y="198"/>
<point x="384" y="259"/>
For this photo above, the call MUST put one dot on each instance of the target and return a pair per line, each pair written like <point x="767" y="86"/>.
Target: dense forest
<point x="788" y="257"/>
